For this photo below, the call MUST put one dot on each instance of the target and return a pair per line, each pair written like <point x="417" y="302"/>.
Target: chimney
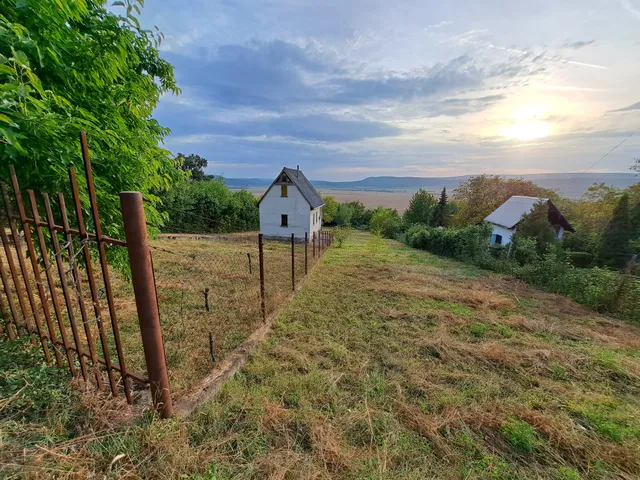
<point x="297" y="171"/>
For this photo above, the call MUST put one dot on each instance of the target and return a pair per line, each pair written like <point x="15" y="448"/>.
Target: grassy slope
<point x="393" y="363"/>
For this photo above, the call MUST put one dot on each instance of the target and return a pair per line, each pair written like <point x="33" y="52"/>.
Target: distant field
<point x="371" y="199"/>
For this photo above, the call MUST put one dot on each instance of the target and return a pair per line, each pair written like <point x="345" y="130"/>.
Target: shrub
<point x="580" y="259"/>
<point x="386" y="222"/>
<point x="209" y="207"/>
<point x="340" y="235"/>
<point x="524" y="249"/>
<point x="468" y="243"/>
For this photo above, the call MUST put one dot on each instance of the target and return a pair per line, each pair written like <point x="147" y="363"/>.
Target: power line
<point x="600" y="159"/>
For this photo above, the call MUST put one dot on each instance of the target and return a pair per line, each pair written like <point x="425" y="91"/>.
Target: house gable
<point x="290" y="176"/>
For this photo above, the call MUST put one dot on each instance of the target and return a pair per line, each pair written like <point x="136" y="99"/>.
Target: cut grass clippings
<point x="393" y="363"/>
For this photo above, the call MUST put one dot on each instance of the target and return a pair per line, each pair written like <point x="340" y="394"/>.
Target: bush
<point x="580" y="259"/>
<point x="386" y="222"/>
<point x="209" y="207"/>
<point x="468" y="243"/>
<point x="524" y="249"/>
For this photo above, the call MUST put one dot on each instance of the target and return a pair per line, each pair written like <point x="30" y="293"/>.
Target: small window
<point x="284" y="220"/>
<point x="496" y="239"/>
<point x="283" y="190"/>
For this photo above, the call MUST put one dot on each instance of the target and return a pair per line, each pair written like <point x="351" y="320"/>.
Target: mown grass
<point x="393" y="363"/>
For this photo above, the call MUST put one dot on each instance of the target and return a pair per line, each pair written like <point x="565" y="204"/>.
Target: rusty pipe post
<point x="293" y="262"/>
<point x="263" y="308"/>
<point x="306" y="253"/>
<point x="144" y="289"/>
<point x="313" y="246"/>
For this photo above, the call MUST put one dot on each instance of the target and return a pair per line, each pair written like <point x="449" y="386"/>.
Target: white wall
<point x="294" y="204"/>
<point x="505" y="232"/>
<point x="317" y="226"/>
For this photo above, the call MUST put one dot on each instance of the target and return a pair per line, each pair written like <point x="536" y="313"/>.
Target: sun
<point x="526" y="130"/>
<point x="527" y="123"/>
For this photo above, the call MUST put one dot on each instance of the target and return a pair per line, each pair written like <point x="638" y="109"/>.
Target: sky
<point x="354" y="88"/>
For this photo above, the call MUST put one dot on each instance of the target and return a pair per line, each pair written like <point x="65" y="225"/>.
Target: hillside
<point x="566" y="183"/>
<point x="389" y="363"/>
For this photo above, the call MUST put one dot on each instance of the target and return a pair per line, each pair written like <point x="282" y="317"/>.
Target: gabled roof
<point x="307" y="190"/>
<point x="508" y="214"/>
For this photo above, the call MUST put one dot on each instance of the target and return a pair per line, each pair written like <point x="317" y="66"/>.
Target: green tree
<point x="361" y="215"/>
<point x="209" y="207"/>
<point x="386" y="222"/>
<point x="73" y="65"/>
<point x="616" y="238"/>
<point x="195" y="164"/>
<point x="441" y="211"/>
<point x="480" y="195"/>
<point x="330" y="209"/>
<point x="535" y="224"/>
<point x="344" y="214"/>
<point x="420" y="209"/>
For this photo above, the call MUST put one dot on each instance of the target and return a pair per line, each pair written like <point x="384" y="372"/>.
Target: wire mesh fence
<point x="210" y="297"/>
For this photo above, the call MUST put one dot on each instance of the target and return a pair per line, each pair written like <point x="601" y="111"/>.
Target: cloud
<point x="635" y="106"/>
<point x="279" y="76"/>
<point x="320" y="128"/>
<point x="577" y="44"/>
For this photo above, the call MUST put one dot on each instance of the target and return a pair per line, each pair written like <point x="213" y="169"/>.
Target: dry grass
<point x="393" y="363"/>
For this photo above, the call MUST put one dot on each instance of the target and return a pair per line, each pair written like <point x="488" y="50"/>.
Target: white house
<point x="291" y="205"/>
<point x="506" y="217"/>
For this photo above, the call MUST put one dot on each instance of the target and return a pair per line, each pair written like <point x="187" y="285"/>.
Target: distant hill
<point x="565" y="183"/>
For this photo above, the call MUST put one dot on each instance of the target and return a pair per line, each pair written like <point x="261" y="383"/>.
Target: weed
<point x="478" y="330"/>
<point x="505" y="331"/>
<point x="567" y="473"/>
<point x="521" y="435"/>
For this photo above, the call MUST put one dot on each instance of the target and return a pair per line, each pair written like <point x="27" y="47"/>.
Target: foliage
<point x="344" y="215"/>
<point x="480" y="195"/>
<point x="521" y="435"/>
<point x="421" y="208"/>
<point x="71" y="66"/>
<point x="340" y="235"/>
<point x="468" y="243"/>
<point x="523" y="249"/>
<point x="194" y="164"/>
<point x="535" y="224"/>
<point x="199" y="207"/>
<point x="580" y="259"/>
<point x="616" y="237"/>
<point x="386" y="222"/>
<point x="441" y="211"/>
<point x="330" y="209"/>
<point x="360" y="216"/>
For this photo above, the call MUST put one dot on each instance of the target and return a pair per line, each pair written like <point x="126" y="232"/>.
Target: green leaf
<point x="4" y="118"/>
<point x="7" y="70"/>
<point x="117" y="4"/>
<point x="20" y="57"/>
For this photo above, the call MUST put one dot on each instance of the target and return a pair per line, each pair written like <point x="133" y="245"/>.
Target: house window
<point x="284" y="220"/>
<point x="496" y="239"/>
<point x="283" y="190"/>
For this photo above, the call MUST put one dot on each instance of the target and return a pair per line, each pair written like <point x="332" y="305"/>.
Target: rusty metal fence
<point x="66" y="300"/>
<point x="206" y="295"/>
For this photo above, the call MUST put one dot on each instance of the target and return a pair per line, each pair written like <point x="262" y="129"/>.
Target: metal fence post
<point x="261" y="260"/>
<point x="293" y="262"/>
<point x="306" y="252"/>
<point x="313" y="246"/>
<point x="144" y="289"/>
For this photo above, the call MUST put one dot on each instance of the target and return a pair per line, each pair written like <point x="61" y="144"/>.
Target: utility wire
<point x="600" y="159"/>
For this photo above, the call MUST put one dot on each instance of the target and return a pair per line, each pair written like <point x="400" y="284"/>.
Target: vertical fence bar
<point x="65" y="288"/>
<point x="25" y="273"/>
<point x="92" y="282"/>
<point x="77" y="282"/>
<point x="135" y="228"/>
<point x="5" y="315"/>
<point x="293" y="262"/>
<point x="263" y="308"/>
<point x="103" y="264"/>
<point x="7" y="291"/>
<point x="306" y="253"/>
<point x="313" y="240"/>
<point x="16" y="281"/>
<point x="52" y="290"/>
